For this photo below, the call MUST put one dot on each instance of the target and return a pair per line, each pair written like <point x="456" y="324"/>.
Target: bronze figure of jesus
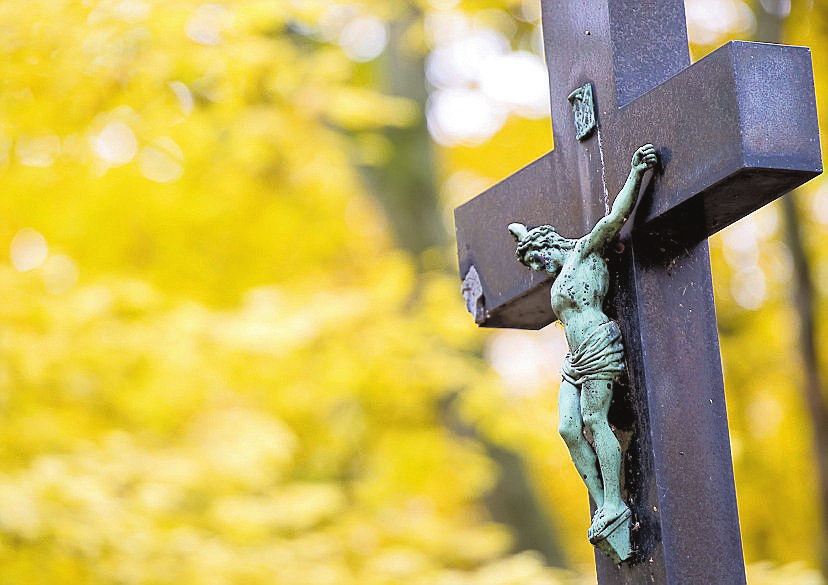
<point x="596" y="353"/>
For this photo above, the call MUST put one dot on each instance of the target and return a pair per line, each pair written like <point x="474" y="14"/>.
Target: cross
<point x="733" y="131"/>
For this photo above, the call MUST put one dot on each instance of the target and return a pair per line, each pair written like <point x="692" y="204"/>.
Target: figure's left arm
<point x="610" y="225"/>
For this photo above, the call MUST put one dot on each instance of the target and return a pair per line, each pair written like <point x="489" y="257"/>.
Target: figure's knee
<point x="571" y="431"/>
<point x="594" y="420"/>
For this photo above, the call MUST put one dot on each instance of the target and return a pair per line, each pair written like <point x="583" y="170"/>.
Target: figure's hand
<point x="644" y="158"/>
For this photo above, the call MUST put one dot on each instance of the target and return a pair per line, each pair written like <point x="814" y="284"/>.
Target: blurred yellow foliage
<point x="217" y="369"/>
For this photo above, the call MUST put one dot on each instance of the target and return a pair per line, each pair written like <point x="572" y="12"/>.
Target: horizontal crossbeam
<point x="734" y="131"/>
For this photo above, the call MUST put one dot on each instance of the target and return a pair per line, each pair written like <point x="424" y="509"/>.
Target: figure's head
<point x="540" y="248"/>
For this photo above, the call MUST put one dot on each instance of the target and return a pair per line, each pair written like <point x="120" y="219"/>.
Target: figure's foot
<point x="604" y="517"/>
<point x="614" y="541"/>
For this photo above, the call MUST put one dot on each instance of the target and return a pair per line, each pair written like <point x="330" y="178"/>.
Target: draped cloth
<point x="599" y="357"/>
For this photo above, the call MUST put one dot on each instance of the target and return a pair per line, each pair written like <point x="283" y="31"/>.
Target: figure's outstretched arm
<point x="610" y="225"/>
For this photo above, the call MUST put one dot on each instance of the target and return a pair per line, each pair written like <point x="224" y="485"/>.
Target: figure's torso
<point x="578" y="295"/>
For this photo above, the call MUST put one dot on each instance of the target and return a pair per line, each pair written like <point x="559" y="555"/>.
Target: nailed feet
<point x="605" y="519"/>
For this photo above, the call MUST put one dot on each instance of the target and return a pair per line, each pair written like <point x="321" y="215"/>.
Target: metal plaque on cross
<point x="583" y="109"/>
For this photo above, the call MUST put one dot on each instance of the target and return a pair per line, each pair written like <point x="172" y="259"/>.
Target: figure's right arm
<point x="610" y="225"/>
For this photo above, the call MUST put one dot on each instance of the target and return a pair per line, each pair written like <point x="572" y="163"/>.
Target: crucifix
<point x="730" y="133"/>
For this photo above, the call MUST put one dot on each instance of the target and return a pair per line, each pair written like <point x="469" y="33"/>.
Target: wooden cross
<point x="733" y="131"/>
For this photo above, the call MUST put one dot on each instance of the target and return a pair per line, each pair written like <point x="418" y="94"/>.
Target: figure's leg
<point x="595" y="402"/>
<point x="571" y="428"/>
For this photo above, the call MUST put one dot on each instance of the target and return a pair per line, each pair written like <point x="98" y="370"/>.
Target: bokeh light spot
<point x="530" y="10"/>
<point x="527" y="363"/>
<point x="116" y="144"/>
<point x="132" y="10"/>
<point x="38" y="152"/>
<point x="363" y="39"/>
<point x="710" y="20"/>
<point x="207" y="24"/>
<point x="748" y="288"/>
<point x="162" y="162"/>
<point x="520" y="80"/>
<point x="60" y="273"/>
<point x="819" y="206"/>
<point x="462" y="116"/>
<point x="183" y="95"/>
<point x="28" y="249"/>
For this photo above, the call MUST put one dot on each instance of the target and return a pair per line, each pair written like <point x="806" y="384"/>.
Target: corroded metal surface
<point x="733" y="132"/>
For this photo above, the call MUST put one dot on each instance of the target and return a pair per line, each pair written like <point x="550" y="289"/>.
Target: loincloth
<point x="600" y="356"/>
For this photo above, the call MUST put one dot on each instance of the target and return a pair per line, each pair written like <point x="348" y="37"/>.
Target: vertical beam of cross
<point x="679" y="475"/>
<point x="734" y="131"/>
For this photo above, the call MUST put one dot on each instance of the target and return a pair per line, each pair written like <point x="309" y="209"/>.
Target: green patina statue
<point x="596" y="356"/>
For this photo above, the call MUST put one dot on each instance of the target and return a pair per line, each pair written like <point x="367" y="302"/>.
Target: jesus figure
<point x="596" y="354"/>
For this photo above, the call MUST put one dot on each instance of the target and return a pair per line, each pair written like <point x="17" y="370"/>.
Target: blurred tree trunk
<point x="405" y="187"/>
<point x="770" y="20"/>
<point x="405" y="184"/>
